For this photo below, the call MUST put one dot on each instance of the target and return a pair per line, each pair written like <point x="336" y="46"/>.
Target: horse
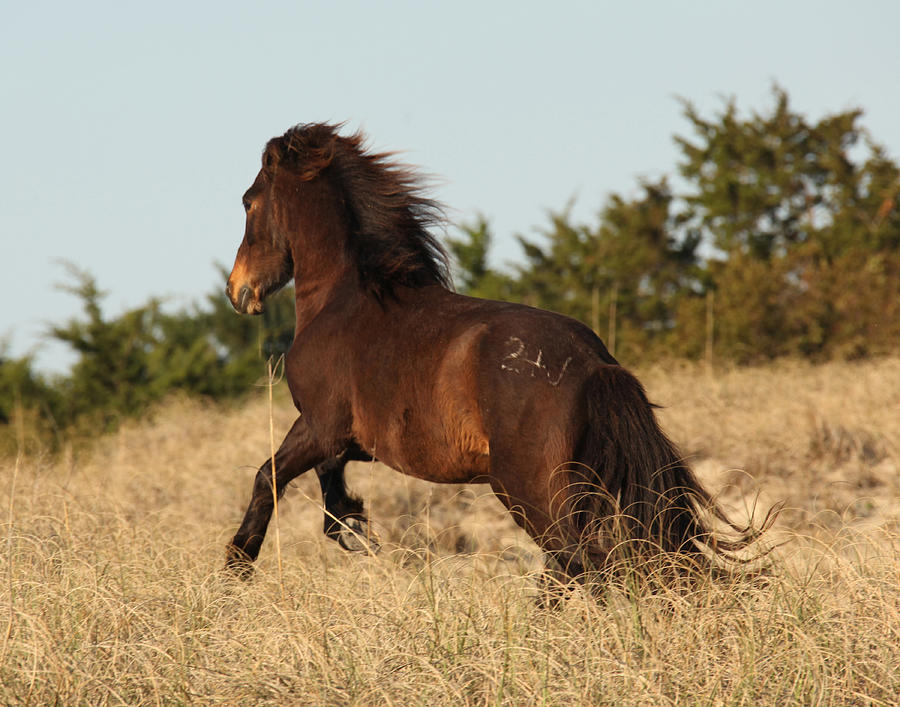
<point x="389" y="362"/>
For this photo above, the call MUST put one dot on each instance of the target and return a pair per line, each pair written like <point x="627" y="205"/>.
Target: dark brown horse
<point x="389" y="362"/>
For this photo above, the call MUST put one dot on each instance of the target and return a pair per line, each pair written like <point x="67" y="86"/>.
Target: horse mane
<point x="389" y="214"/>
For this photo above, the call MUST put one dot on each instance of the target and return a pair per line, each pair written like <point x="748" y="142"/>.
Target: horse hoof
<point x="356" y="535"/>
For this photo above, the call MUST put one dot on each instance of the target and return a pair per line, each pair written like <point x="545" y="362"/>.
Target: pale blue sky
<point x="130" y="129"/>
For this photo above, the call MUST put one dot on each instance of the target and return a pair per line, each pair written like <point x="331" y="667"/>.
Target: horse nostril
<point x="244" y="298"/>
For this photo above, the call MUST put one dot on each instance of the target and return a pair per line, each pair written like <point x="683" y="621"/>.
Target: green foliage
<point x="128" y="362"/>
<point x="800" y="226"/>
<point x="18" y="383"/>
<point x="242" y="343"/>
<point x="113" y="374"/>
<point x="472" y="274"/>
<point x="27" y="405"/>
<point x="795" y="215"/>
<point x="634" y="267"/>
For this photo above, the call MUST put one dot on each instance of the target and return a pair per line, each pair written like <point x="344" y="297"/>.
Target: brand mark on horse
<point x="516" y="362"/>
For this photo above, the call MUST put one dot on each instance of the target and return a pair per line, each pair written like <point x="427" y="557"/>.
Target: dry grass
<point x="110" y="589"/>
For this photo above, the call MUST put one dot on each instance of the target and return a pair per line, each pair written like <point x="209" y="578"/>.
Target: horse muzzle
<point x="246" y="301"/>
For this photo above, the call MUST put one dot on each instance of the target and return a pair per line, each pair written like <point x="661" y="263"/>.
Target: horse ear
<point x="271" y="157"/>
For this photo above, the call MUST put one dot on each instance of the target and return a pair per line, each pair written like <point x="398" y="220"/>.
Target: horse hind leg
<point x="345" y="519"/>
<point x="531" y="507"/>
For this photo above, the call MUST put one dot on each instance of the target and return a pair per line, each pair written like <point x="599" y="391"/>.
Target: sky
<point x="131" y="129"/>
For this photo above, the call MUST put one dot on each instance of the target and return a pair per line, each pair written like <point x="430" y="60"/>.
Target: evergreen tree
<point x="112" y="374"/>
<point x="28" y="405"/>
<point x="761" y="184"/>
<point x="472" y="274"/>
<point x="791" y="195"/>
<point x="623" y="277"/>
<point x="128" y="362"/>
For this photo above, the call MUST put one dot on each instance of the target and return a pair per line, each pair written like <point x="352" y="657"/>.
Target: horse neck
<point x="312" y="296"/>
<point x="323" y="267"/>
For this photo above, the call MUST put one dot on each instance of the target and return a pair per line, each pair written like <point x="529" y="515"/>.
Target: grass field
<point x="111" y="590"/>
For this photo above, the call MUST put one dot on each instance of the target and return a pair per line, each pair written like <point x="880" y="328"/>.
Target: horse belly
<point x="430" y="425"/>
<point x="438" y="448"/>
<point x="459" y="450"/>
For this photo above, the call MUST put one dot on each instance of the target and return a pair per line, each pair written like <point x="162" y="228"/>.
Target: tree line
<point x="126" y="363"/>
<point x="776" y="236"/>
<point x="782" y="238"/>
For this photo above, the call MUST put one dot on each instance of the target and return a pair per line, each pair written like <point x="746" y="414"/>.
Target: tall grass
<point x="112" y="591"/>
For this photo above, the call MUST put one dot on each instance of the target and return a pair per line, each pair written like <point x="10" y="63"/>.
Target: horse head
<point x="264" y="262"/>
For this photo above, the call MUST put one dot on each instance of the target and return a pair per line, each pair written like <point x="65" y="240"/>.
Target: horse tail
<point x="630" y="493"/>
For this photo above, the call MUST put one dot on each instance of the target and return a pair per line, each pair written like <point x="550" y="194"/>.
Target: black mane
<point x="389" y="213"/>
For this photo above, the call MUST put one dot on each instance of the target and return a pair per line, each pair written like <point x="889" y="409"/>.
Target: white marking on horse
<point x="517" y="362"/>
<point x="513" y="355"/>
<point x="555" y="383"/>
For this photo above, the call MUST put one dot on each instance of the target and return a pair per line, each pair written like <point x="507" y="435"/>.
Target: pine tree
<point x="793" y="217"/>
<point x="472" y="274"/>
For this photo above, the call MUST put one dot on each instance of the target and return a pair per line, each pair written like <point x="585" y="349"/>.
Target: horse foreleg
<point x="298" y="453"/>
<point x="345" y="518"/>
